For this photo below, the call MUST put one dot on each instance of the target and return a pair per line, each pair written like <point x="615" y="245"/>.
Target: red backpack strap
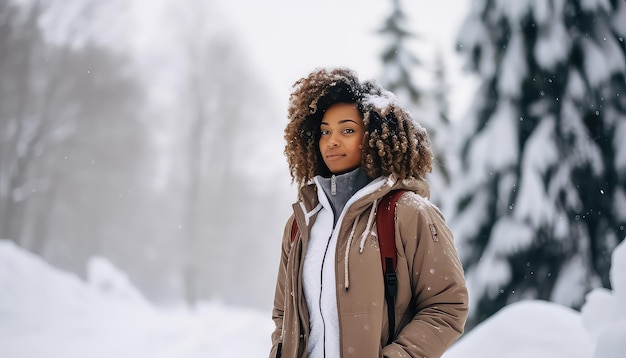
<point x="386" y="224"/>
<point x="294" y="230"/>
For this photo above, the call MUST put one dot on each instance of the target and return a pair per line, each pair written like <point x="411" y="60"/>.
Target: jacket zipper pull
<point x="333" y="185"/>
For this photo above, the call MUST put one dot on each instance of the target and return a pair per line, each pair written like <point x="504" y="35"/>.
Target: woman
<point x="349" y="144"/>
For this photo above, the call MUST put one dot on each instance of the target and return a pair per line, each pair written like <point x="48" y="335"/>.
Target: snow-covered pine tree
<point x="541" y="201"/>
<point x="401" y="68"/>
<point x="442" y="108"/>
<point x="399" y="62"/>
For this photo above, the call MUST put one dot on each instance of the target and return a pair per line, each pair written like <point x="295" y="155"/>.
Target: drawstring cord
<point x="348" y="252"/>
<point x="368" y="229"/>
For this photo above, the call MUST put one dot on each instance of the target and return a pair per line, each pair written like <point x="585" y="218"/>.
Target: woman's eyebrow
<point x="341" y="121"/>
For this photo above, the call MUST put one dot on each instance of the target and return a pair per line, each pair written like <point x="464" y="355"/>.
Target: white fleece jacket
<point x="318" y="276"/>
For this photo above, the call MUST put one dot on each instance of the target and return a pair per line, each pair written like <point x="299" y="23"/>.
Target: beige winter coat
<point x="431" y="304"/>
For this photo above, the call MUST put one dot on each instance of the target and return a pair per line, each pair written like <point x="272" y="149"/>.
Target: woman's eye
<point x="324" y="132"/>
<point x="348" y="131"/>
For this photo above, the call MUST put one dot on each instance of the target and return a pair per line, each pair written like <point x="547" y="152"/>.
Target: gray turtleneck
<point x="340" y="188"/>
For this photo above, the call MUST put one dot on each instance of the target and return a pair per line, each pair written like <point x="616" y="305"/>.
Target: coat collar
<point x="308" y="202"/>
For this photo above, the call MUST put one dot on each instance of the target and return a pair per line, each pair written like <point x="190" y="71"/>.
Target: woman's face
<point x="341" y="137"/>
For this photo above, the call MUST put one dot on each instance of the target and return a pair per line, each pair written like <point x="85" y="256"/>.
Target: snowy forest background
<point x="163" y="154"/>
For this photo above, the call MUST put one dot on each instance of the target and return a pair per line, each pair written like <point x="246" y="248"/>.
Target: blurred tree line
<point x="68" y="115"/>
<point x="84" y="169"/>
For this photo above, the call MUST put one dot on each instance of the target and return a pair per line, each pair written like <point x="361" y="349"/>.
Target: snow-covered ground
<point x="45" y="312"/>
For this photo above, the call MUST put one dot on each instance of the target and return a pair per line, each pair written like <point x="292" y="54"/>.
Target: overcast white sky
<point x="289" y="38"/>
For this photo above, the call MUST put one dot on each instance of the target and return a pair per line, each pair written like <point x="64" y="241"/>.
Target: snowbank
<point x="541" y="329"/>
<point x="45" y="312"/>
<point x="604" y="312"/>
<point x="535" y="329"/>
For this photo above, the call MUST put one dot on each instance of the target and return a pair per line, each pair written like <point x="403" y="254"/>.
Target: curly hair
<point x="393" y="142"/>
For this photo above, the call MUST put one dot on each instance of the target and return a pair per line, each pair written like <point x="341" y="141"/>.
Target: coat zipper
<point x="321" y="289"/>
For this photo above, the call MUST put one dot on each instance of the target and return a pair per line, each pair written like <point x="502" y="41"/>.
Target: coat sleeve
<point x="440" y="298"/>
<point x="279" y="295"/>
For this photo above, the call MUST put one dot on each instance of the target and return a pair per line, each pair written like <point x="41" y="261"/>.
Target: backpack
<point x="385" y="222"/>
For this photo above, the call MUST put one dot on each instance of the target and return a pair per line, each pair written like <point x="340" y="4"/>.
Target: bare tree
<point x="58" y="103"/>
<point x="223" y="106"/>
<point x="23" y="102"/>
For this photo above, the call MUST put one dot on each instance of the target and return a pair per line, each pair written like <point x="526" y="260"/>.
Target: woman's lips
<point x="334" y="156"/>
